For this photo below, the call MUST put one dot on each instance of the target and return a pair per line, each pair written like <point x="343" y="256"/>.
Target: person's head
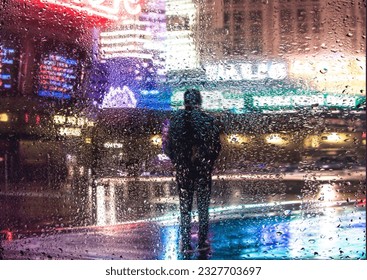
<point x="192" y="99"/>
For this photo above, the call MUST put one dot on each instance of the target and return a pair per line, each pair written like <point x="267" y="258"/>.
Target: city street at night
<point x="125" y="122"/>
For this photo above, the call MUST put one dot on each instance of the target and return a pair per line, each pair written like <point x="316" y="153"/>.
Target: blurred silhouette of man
<point x="192" y="143"/>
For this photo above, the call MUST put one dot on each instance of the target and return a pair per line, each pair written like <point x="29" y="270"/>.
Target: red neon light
<point x="26" y="118"/>
<point x="8" y="234"/>
<point x="38" y="119"/>
<point x="110" y="9"/>
<point x="363" y="134"/>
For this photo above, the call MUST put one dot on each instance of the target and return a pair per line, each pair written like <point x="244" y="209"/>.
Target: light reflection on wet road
<point x="329" y="233"/>
<point x="320" y="233"/>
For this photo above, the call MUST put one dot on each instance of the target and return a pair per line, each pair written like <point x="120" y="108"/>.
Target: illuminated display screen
<point x="7" y="68"/>
<point x="57" y="76"/>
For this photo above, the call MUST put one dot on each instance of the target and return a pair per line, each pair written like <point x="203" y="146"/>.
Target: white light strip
<point x="123" y="48"/>
<point x="136" y="55"/>
<point x="314" y="176"/>
<point x="106" y="41"/>
<point x="128" y="54"/>
<point x="171" y="219"/>
<point x="125" y="32"/>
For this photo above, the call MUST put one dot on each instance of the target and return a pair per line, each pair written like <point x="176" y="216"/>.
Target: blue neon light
<point x="5" y="76"/>
<point x="7" y="61"/>
<point x="55" y="94"/>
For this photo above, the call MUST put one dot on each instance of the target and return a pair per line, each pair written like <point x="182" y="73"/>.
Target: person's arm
<point x="166" y="146"/>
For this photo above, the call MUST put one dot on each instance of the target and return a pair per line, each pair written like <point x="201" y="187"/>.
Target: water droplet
<point x="350" y="34"/>
<point x="323" y="71"/>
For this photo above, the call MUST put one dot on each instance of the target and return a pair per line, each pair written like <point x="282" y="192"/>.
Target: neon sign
<point x="119" y="98"/>
<point x="246" y="71"/>
<point x="105" y="8"/>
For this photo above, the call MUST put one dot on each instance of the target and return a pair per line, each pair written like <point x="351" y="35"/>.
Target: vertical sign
<point x="7" y="66"/>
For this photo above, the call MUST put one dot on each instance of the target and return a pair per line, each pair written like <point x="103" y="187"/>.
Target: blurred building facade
<point x="323" y="42"/>
<point x="244" y="55"/>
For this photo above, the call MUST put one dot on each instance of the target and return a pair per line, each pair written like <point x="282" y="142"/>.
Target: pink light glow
<point x="109" y="9"/>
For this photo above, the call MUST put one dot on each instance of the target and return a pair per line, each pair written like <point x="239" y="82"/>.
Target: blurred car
<point x="335" y="163"/>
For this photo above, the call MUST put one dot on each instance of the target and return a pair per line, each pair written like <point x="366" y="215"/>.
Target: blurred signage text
<point x="57" y="76"/>
<point x="72" y="121"/>
<point x="237" y="101"/>
<point x="246" y="71"/>
<point x="7" y="56"/>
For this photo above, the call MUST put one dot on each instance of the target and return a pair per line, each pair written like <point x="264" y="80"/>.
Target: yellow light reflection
<point x="277" y="139"/>
<point x="335" y="137"/>
<point x="156" y="140"/>
<point x="4" y="117"/>
<point x="312" y="141"/>
<point x="69" y="131"/>
<point x="237" y="139"/>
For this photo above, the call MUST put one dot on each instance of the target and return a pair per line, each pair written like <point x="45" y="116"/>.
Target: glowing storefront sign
<point x="69" y="131"/>
<point x="303" y="101"/>
<point x="113" y="145"/>
<point x="213" y="101"/>
<point x="70" y="120"/>
<point x="105" y="8"/>
<point x="246" y="71"/>
<point x="238" y="101"/>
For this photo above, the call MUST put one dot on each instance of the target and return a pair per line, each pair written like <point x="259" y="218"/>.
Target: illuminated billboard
<point x="242" y="98"/>
<point x="57" y="76"/>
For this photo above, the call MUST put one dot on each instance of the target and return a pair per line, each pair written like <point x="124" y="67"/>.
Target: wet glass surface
<point x="88" y="92"/>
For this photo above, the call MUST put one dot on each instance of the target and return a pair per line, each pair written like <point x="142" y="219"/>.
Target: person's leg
<point x="203" y="198"/>
<point x="186" y="194"/>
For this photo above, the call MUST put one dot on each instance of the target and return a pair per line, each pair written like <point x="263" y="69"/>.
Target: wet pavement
<point x="259" y="217"/>
<point x="320" y="232"/>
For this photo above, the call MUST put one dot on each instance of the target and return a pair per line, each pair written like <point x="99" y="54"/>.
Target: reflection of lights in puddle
<point x="327" y="192"/>
<point x="171" y="244"/>
<point x="106" y="208"/>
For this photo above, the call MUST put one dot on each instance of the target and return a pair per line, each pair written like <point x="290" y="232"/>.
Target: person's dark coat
<point x="193" y="139"/>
